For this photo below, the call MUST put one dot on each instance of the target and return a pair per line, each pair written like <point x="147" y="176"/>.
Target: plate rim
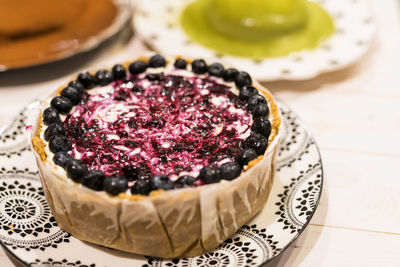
<point x="311" y="136"/>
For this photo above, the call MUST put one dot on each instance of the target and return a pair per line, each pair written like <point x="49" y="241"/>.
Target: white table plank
<point x="332" y="247"/>
<point x="360" y="191"/>
<point x="357" y="122"/>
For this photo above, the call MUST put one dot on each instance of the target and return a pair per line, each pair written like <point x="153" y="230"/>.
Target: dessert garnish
<point x="138" y="128"/>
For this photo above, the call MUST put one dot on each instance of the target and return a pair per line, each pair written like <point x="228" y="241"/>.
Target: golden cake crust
<point x="178" y="223"/>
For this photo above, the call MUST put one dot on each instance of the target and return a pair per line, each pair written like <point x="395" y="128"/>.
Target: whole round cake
<point x="161" y="157"/>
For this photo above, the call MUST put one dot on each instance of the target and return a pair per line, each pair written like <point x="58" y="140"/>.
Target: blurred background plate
<point x="124" y="13"/>
<point x="157" y="24"/>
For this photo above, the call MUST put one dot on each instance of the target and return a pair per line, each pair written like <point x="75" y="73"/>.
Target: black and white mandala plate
<point x="29" y="232"/>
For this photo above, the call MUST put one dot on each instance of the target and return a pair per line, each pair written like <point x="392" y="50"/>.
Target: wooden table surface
<point x="354" y="115"/>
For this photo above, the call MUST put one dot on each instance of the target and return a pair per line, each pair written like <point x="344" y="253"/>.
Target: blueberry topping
<point x="184" y="181"/>
<point x="131" y="172"/>
<point x="254" y="100"/>
<point x="230" y="170"/>
<point x="157" y="61"/>
<point x="143" y="172"/>
<point x="59" y="143"/>
<point x="246" y="92"/>
<point x="51" y="115"/>
<point x="161" y="181"/>
<point x="137" y="67"/>
<point x="62" y="104"/>
<point x="262" y="126"/>
<point x="230" y="74"/>
<point x="119" y="72"/>
<point x="199" y="66"/>
<point x="61" y="158"/>
<point x="87" y="80"/>
<point x="115" y="184"/>
<point x="246" y="156"/>
<point x="75" y="170"/>
<point x="261" y="110"/>
<point x="155" y="76"/>
<point x="176" y="99"/>
<point x="242" y="79"/>
<point x="257" y="142"/>
<point x="104" y="77"/>
<point x="53" y="129"/>
<point x="94" y="179"/>
<point x="210" y="175"/>
<point x="141" y="187"/>
<point x="78" y="85"/>
<point x="180" y="63"/>
<point x="216" y="69"/>
<point x="72" y="94"/>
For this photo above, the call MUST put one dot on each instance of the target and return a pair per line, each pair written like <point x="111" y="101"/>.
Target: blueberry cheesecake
<point x="161" y="157"/>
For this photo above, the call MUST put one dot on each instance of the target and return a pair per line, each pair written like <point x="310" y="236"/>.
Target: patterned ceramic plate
<point x="30" y="233"/>
<point x="122" y="17"/>
<point x="157" y="23"/>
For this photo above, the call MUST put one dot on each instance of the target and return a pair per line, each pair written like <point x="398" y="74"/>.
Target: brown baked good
<point x="162" y="114"/>
<point x="36" y="32"/>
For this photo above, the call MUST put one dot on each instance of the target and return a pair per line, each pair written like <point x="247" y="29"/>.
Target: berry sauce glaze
<point x="167" y="123"/>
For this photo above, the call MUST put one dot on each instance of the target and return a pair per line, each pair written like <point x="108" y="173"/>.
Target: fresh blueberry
<point x="59" y="143"/>
<point x="246" y="156"/>
<point x="61" y="158"/>
<point x="254" y="100"/>
<point x="141" y="187"/>
<point x="230" y="170"/>
<point x="137" y="67"/>
<point x="131" y="172"/>
<point x="230" y="74"/>
<point x="76" y="170"/>
<point x="261" y="110"/>
<point x="256" y="141"/>
<point x="115" y="184"/>
<point x="104" y="77"/>
<point x="184" y="181"/>
<point x="94" y="179"/>
<point x="119" y="72"/>
<point x="62" y="104"/>
<point x="180" y="63"/>
<point x="199" y="66"/>
<point x="72" y="94"/>
<point x="53" y="129"/>
<point x="210" y="175"/>
<point x="157" y="61"/>
<point x="216" y="69"/>
<point x="51" y="115"/>
<point x="87" y="80"/>
<point x="246" y="92"/>
<point x="242" y="79"/>
<point x="262" y="126"/>
<point x="78" y="85"/>
<point x="161" y="181"/>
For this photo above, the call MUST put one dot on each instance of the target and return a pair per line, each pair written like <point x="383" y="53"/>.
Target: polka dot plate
<point x="157" y="24"/>
<point x="29" y="232"/>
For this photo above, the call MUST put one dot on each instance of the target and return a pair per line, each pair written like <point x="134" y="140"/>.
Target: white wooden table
<point x="354" y="115"/>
